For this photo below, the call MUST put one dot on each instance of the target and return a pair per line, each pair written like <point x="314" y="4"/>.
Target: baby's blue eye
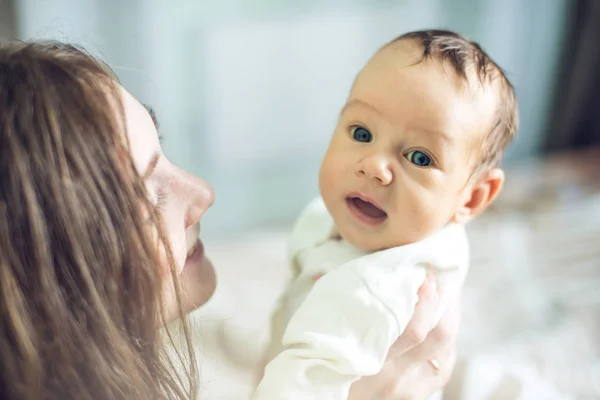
<point x="419" y="158"/>
<point x="360" y="134"/>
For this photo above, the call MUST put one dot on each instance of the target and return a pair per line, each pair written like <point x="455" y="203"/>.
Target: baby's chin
<point x="364" y="241"/>
<point x="372" y="240"/>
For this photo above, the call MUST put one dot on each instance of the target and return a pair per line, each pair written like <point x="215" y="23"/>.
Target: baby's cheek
<point x="432" y="183"/>
<point x="327" y="174"/>
<point x="417" y="219"/>
<point x="435" y="213"/>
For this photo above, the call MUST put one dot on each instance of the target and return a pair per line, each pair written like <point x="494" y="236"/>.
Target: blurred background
<point x="247" y="93"/>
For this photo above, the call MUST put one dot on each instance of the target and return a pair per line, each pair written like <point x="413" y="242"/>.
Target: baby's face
<point x="398" y="165"/>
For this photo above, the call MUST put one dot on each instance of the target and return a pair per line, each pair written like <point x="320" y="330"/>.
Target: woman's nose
<point x="376" y="167"/>
<point x="198" y="196"/>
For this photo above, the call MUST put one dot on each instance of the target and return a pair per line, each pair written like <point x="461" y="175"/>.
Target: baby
<point x="415" y="156"/>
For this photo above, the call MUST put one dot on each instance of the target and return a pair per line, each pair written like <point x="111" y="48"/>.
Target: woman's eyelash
<point x="161" y="198"/>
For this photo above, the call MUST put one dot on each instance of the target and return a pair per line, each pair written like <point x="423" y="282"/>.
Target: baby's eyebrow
<point x="358" y="103"/>
<point x="445" y="139"/>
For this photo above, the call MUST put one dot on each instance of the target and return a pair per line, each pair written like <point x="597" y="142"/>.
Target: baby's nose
<point x="376" y="167"/>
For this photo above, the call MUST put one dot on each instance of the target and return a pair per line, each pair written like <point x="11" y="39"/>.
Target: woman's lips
<point x="197" y="277"/>
<point x="192" y="249"/>
<point x="195" y="253"/>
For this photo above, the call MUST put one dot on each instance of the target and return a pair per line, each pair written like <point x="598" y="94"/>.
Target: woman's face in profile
<point x="182" y="199"/>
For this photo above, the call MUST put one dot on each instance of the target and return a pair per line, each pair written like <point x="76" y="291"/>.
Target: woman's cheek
<point x="179" y="253"/>
<point x="177" y="246"/>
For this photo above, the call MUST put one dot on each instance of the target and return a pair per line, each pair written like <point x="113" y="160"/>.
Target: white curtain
<point x="247" y="92"/>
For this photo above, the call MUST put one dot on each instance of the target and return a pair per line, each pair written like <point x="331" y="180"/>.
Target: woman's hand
<point x="421" y="361"/>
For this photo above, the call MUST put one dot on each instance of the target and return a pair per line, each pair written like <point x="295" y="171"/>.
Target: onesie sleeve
<point x="342" y="331"/>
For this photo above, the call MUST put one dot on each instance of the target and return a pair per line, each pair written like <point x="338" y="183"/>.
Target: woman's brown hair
<point x="80" y="288"/>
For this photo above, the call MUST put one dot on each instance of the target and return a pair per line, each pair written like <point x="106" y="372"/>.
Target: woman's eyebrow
<point x="151" y="166"/>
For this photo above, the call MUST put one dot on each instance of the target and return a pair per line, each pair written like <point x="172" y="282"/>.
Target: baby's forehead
<point x="401" y="71"/>
<point x="466" y="73"/>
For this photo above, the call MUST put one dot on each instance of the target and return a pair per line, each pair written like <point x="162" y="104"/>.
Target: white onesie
<point x="328" y="334"/>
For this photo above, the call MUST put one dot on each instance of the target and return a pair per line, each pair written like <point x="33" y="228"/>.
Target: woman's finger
<point x="408" y="365"/>
<point x="438" y="350"/>
<point x="420" y="324"/>
<point x="447" y="329"/>
<point x="431" y="363"/>
<point x="431" y="380"/>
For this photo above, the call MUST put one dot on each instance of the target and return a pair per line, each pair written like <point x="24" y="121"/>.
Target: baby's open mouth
<point x="365" y="211"/>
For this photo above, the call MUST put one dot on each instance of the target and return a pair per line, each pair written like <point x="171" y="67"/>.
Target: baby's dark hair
<point x="464" y="56"/>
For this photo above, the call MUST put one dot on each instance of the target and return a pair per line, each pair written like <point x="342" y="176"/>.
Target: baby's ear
<point x="480" y="195"/>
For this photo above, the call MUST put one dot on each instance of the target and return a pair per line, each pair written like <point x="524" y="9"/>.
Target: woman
<point x="99" y="246"/>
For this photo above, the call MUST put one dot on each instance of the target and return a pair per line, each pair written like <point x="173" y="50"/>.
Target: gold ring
<point x="435" y="364"/>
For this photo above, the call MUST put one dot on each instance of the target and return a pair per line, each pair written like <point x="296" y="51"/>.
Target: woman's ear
<point x="480" y="195"/>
